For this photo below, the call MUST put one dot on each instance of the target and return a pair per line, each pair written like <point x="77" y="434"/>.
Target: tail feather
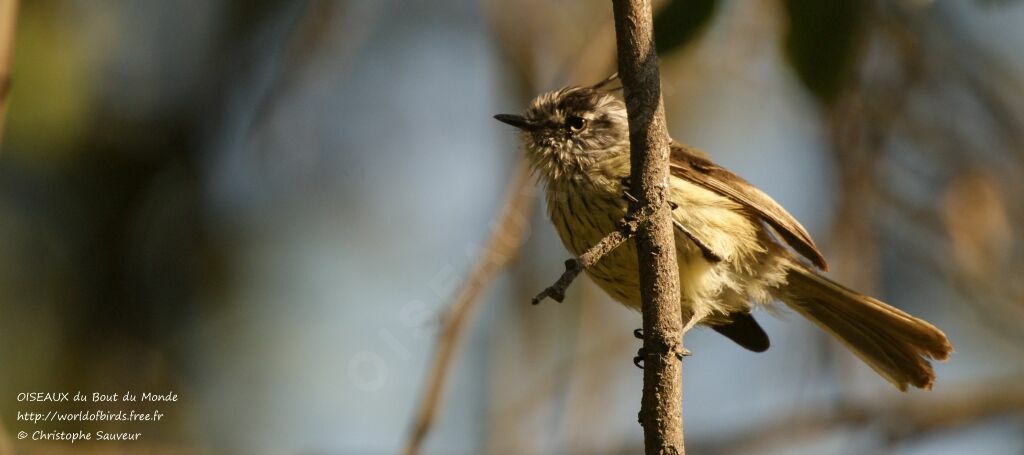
<point x="894" y="343"/>
<point x="745" y="331"/>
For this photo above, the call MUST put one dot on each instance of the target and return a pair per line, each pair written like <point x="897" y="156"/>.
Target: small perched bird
<point x="736" y="247"/>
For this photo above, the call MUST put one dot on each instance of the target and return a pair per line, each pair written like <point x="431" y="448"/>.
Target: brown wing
<point x="691" y="165"/>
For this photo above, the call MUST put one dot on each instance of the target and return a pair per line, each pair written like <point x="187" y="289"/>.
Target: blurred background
<point x="270" y="208"/>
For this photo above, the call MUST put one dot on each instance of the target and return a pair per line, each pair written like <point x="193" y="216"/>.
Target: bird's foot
<point x="638" y="360"/>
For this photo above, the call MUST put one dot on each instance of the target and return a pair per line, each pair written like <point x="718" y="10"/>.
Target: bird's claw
<point x="629" y="197"/>
<point x="679" y="351"/>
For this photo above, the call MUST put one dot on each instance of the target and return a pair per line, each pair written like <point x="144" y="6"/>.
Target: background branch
<point x="894" y="420"/>
<point x="503" y="246"/>
<point x="520" y="52"/>
<point x="661" y="406"/>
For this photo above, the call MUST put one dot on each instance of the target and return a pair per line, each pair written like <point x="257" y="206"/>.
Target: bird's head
<point x="568" y="130"/>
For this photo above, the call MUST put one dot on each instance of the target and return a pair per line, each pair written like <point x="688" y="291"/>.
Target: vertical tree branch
<point x="661" y="406"/>
<point x="8" y="22"/>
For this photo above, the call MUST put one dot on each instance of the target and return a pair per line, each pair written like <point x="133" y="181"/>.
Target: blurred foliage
<point x="680" y="21"/>
<point x="822" y="41"/>
<point x="52" y="92"/>
<point x="977" y="220"/>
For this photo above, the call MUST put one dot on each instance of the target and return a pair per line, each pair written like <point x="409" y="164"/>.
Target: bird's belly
<point x="582" y="220"/>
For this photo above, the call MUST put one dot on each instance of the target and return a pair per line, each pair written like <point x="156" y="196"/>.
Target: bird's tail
<point x="895" y="344"/>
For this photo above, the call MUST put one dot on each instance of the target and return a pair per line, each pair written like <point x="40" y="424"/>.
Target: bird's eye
<point x="575" y="122"/>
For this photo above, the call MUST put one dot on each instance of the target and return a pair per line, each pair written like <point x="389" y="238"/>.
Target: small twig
<point x="625" y="229"/>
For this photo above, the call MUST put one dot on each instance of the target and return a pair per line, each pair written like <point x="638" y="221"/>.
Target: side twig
<point x="503" y="246"/>
<point x="625" y="230"/>
<point x="661" y="406"/>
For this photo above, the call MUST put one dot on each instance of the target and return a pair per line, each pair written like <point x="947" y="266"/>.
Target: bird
<point x="736" y="248"/>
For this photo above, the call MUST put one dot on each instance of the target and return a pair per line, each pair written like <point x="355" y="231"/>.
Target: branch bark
<point x="661" y="406"/>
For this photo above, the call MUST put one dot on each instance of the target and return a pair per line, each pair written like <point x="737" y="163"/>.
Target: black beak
<point x="517" y="121"/>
